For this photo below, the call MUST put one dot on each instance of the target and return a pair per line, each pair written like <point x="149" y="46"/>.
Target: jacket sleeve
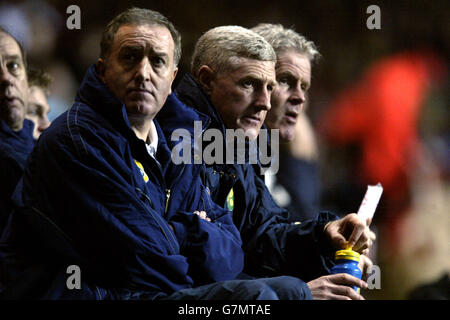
<point x="111" y="234"/>
<point x="10" y="174"/>
<point x="274" y="246"/>
<point x="213" y="249"/>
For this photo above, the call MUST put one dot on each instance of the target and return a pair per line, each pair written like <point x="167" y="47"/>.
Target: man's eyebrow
<point x="286" y="74"/>
<point x="130" y="48"/>
<point x="259" y="79"/>
<point x="13" y="57"/>
<point x="159" y="52"/>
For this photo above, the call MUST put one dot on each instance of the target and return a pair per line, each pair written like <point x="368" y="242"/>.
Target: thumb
<point x="338" y="240"/>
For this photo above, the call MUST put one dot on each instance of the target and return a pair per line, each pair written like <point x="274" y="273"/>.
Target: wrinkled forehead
<point x="154" y="36"/>
<point x="9" y="46"/>
<point x="251" y="66"/>
<point x="294" y="59"/>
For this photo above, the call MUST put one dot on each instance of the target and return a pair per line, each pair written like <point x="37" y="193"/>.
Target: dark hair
<point x="22" y="51"/>
<point x="138" y="16"/>
<point x="39" y="78"/>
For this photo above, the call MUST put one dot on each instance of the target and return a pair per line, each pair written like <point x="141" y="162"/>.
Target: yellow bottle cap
<point x="347" y="254"/>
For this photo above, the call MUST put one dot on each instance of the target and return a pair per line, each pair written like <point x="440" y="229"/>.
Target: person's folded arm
<point x="213" y="248"/>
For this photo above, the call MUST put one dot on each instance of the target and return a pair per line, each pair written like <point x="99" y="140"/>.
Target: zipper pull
<point x="167" y="200"/>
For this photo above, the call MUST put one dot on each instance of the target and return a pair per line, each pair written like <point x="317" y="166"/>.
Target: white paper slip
<point x="370" y="201"/>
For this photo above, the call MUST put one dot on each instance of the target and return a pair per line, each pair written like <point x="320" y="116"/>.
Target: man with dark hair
<point x="101" y="193"/>
<point x="38" y="107"/>
<point x="16" y="140"/>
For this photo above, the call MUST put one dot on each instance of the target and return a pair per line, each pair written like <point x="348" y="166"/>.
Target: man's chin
<point x="14" y="117"/>
<point x="286" y="135"/>
<point x="141" y="109"/>
<point x="252" y="133"/>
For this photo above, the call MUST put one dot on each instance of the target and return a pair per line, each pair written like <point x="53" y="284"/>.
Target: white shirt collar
<point x="153" y="138"/>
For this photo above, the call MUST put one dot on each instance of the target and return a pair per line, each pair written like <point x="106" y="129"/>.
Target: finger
<point x="363" y="243"/>
<point x="358" y="230"/>
<point x="347" y="280"/>
<point x="339" y="241"/>
<point x="365" y="265"/>
<point x="203" y="214"/>
<point x="345" y="291"/>
<point x="372" y="235"/>
<point x="331" y="296"/>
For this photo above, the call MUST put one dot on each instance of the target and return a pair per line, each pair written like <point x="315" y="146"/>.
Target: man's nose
<point x="298" y="95"/>
<point x="263" y="99"/>
<point x="44" y="123"/>
<point x="143" y="71"/>
<point x="5" y="76"/>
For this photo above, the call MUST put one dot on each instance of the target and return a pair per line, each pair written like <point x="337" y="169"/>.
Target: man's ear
<point x="206" y="77"/>
<point x="101" y="68"/>
<point x="175" y="71"/>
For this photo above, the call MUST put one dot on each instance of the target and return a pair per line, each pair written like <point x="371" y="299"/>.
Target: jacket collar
<point x="175" y="115"/>
<point x="23" y="136"/>
<point x="94" y="93"/>
<point x="190" y="92"/>
<point x="17" y="144"/>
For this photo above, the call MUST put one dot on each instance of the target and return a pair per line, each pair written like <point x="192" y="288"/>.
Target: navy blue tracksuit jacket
<point x="273" y="246"/>
<point x="15" y="146"/>
<point x="92" y="196"/>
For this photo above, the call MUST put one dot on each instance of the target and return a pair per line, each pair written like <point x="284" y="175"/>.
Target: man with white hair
<point x="233" y="76"/>
<point x="298" y="170"/>
<point x="296" y="185"/>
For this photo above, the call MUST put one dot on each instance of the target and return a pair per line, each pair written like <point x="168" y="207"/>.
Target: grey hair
<point x="138" y="16"/>
<point x="283" y="39"/>
<point x="220" y="46"/>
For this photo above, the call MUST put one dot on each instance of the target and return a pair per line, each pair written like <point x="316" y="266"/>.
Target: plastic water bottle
<point x="347" y="262"/>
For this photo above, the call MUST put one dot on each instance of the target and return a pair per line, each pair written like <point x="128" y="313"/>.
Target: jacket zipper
<point x="168" y="191"/>
<point x="167" y="201"/>
<point x="160" y="223"/>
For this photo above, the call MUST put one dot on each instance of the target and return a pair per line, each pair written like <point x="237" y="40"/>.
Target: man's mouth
<point x="291" y="117"/>
<point x="9" y="100"/>
<point x="252" y="119"/>
<point x="139" y="91"/>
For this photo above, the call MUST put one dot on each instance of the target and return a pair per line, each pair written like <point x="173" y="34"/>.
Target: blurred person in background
<point x="16" y="132"/>
<point x="38" y="107"/>
<point x="377" y="122"/>
<point x="379" y="115"/>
